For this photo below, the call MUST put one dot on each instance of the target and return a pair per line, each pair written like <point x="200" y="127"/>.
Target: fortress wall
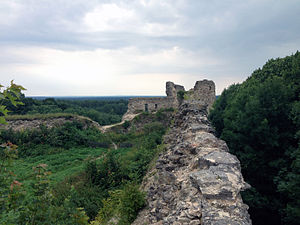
<point x="195" y="180"/>
<point x="152" y="104"/>
<point x="203" y="93"/>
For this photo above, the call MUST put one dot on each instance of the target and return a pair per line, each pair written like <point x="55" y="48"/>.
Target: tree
<point x="12" y="95"/>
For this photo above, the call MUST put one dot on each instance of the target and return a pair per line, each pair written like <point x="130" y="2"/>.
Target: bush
<point x="180" y="95"/>
<point x="42" y="140"/>
<point x="126" y="124"/>
<point x="126" y="145"/>
<point x="122" y="205"/>
<point x="131" y="201"/>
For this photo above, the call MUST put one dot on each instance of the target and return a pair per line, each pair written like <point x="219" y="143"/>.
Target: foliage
<point x="10" y="188"/>
<point x="131" y="201"/>
<point x="102" y="111"/>
<point x="11" y="193"/>
<point x="121" y="166"/>
<point x="34" y="142"/>
<point x="259" y="119"/>
<point x="121" y="205"/>
<point x="39" y="209"/>
<point x="126" y="124"/>
<point x="9" y="95"/>
<point x="62" y="164"/>
<point x="83" y="178"/>
<point x="180" y="95"/>
<point x="40" y="205"/>
<point x="107" y="174"/>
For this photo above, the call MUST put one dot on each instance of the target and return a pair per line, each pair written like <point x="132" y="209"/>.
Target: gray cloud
<point x="239" y="35"/>
<point x="213" y="24"/>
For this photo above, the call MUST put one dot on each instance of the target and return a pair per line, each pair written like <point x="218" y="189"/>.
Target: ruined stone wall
<point x="136" y="105"/>
<point x="195" y="181"/>
<point x="204" y="92"/>
<point x="172" y="89"/>
<point x="152" y="104"/>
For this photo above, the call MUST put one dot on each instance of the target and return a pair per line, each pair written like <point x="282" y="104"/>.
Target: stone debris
<point x="195" y="180"/>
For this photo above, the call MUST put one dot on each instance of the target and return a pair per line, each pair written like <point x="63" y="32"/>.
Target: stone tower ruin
<point x="202" y="93"/>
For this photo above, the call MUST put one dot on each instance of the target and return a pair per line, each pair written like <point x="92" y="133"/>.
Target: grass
<point x="61" y="165"/>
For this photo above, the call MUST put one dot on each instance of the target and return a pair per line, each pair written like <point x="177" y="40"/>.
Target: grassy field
<point x="62" y="165"/>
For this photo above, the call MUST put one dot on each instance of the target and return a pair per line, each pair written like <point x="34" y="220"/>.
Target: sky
<point x="132" y="47"/>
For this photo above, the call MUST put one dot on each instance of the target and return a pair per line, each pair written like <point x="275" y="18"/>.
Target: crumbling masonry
<point x="203" y="92"/>
<point x="195" y="180"/>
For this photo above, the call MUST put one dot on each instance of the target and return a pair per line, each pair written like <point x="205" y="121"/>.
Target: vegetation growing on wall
<point x="259" y="119"/>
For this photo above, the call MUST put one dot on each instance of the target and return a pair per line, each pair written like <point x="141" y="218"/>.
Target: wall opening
<point x="146" y="107"/>
<point x="155" y="106"/>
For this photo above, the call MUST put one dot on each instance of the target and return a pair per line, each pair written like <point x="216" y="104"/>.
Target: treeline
<point x="260" y="121"/>
<point x="102" y="111"/>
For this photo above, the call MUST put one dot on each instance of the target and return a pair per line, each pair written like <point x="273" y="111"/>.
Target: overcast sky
<point x="132" y="47"/>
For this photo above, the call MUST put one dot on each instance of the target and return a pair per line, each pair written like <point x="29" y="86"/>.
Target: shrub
<point x="126" y="145"/>
<point x="180" y="95"/>
<point x="42" y="140"/>
<point x="122" y="205"/>
<point x="126" y="124"/>
<point x="131" y="201"/>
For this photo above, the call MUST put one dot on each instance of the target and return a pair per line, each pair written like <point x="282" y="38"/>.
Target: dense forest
<point x="260" y="121"/>
<point x="102" y="111"/>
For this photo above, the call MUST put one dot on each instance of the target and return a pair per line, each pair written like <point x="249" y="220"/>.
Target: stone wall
<point x="195" y="181"/>
<point x="172" y="89"/>
<point x="203" y="93"/>
<point x="150" y="104"/>
<point x="136" y="105"/>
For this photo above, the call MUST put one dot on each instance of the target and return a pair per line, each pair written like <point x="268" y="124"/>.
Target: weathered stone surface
<point x="151" y="104"/>
<point x="172" y="89"/>
<point x="196" y="180"/>
<point x="218" y="182"/>
<point x="203" y="94"/>
<point x="216" y="158"/>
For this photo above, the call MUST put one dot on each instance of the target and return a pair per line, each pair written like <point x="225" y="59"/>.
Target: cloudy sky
<point x="132" y="47"/>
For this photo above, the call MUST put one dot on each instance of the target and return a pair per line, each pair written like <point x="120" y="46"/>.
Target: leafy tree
<point x="9" y="95"/>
